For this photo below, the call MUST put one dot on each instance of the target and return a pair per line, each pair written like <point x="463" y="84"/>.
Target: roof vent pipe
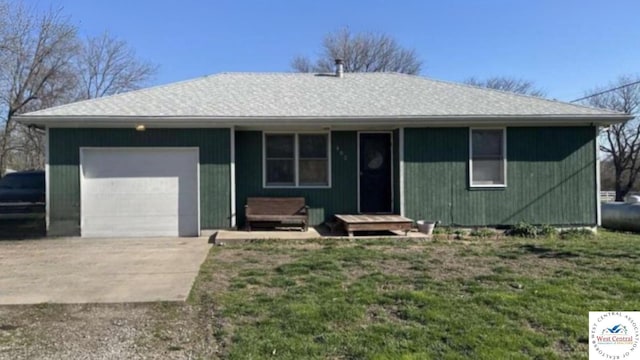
<point x="339" y="68"/>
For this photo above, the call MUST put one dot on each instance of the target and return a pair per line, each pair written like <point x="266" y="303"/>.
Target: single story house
<point x="180" y="158"/>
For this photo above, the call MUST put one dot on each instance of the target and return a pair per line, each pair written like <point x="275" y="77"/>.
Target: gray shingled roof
<point x="296" y="95"/>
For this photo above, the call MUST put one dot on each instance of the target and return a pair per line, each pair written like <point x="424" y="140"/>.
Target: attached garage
<point x="136" y="192"/>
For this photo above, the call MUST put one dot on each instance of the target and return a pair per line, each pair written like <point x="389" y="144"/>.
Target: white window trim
<point x="232" y="173"/>
<point x="598" y="185"/>
<point x="296" y="159"/>
<point x="47" y="179"/>
<point x="504" y="159"/>
<point x="401" y="169"/>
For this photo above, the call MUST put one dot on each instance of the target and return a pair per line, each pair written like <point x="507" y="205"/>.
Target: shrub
<point x="524" y="229"/>
<point x="441" y="230"/>
<point x="482" y="233"/>
<point x="548" y="231"/>
<point x="460" y="233"/>
<point x="577" y="234"/>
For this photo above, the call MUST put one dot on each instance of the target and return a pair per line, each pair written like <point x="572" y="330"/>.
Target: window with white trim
<point x="296" y="160"/>
<point x="487" y="160"/>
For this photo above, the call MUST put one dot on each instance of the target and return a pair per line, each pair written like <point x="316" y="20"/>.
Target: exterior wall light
<point x="140" y="127"/>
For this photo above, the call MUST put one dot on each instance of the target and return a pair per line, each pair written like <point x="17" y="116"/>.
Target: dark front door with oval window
<point x="375" y="173"/>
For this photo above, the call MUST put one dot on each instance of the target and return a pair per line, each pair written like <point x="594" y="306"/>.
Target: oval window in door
<point x="374" y="160"/>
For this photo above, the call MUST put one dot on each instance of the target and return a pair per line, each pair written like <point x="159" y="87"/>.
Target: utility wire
<point x="606" y="91"/>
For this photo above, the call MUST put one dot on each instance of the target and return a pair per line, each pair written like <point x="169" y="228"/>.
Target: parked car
<point x="22" y="195"/>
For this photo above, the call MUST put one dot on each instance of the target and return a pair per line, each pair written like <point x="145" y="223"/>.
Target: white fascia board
<point x="417" y="121"/>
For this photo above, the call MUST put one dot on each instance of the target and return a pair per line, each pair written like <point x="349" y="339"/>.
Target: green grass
<point x="383" y="299"/>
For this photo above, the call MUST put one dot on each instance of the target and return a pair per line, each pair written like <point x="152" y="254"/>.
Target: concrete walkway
<point x="318" y="232"/>
<point x="99" y="270"/>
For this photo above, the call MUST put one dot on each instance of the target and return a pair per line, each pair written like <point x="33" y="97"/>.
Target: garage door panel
<point x="130" y="204"/>
<point x="140" y="162"/>
<point x="136" y="185"/>
<point x="139" y="192"/>
<point x="137" y="205"/>
<point x="103" y="226"/>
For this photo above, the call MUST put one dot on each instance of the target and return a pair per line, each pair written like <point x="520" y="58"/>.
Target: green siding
<point x="550" y="175"/>
<point x="340" y="198"/>
<point x="550" y="178"/>
<point x="64" y="158"/>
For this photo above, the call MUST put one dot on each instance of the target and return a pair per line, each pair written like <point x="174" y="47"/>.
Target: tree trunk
<point x="4" y="146"/>
<point x="621" y="192"/>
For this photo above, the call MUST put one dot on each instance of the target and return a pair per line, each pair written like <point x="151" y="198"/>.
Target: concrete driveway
<point x="99" y="270"/>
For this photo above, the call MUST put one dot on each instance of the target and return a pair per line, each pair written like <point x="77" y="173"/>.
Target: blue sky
<point x="565" y="46"/>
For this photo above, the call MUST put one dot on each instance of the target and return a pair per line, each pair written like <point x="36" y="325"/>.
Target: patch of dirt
<point x="564" y="347"/>
<point x="288" y="244"/>
<point x="356" y="272"/>
<point x="392" y="267"/>
<point x="251" y="258"/>
<point x="378" y="314"/>
<point x="109" y="331"/>
<point x="398" y="250"/>
<point x="229" y="262"/>
<point x="447" y="262"/>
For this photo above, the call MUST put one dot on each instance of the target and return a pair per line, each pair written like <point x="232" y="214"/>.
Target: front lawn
<point x="506" y="298"/>
<point x="441" y="299"/>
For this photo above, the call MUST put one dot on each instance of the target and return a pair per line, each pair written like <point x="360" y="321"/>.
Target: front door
<point x="375" y="172"/>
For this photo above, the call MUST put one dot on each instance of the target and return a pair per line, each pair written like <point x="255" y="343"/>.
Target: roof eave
<point x="209" y="121"/>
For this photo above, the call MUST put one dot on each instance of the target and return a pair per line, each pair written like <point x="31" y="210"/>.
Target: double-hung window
<point x="296" y="160"/>
<point x="487" y="158"/>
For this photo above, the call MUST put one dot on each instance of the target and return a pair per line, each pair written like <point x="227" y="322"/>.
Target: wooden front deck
<point x="353" y="223"/>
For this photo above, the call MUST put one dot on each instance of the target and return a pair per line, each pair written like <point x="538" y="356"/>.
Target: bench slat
<point x="275" y="217"/>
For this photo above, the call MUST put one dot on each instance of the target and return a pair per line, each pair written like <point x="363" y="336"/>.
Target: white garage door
<point x="135" y="192"/>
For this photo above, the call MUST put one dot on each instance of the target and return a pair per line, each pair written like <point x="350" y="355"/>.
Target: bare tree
<point x="504" y="83"/>
<point x="607" y="178"/>
<point x="302" y="64"/>
<point x="35" y="67"/>
<point x="621" y="141"/>
<point x="361" y="52"/>
<point x="44" y="64"/>
<point x="107" y="66"/>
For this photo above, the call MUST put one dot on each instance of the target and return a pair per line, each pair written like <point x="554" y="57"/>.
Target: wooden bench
<point x="276" y="212"/>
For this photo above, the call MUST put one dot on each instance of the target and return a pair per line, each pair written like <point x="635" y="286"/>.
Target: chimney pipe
<point x="339" y="68"/>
